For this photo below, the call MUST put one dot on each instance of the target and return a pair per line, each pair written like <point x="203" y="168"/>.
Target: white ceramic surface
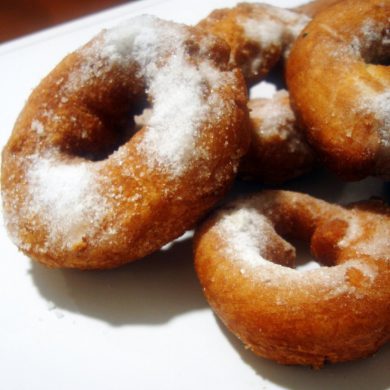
<point x="146" y="325"/>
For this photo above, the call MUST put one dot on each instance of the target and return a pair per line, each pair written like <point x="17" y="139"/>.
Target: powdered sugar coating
<point x="170" y="140"/>
<point x="373" y="40"/>
<point x="247" y="233"/>
<point x="258" y="34"/>
<point x="352" y="234"/>
<point x="276" y="119"/>
<point x="273" y="26"/>
<point x="279" y="150"/>
<point x="37" y="126"/>
<point x="68" y="195"/>
<point x="377" y="105"/>
<point x="334" y="94"/>
<point x="267" y="33"/>
<point x="172" y="81"/>
<point x="274" y="115"/>
<point x="377" y="244"/>
<point x="372" y="43"/>
<point x="294" y="316"/>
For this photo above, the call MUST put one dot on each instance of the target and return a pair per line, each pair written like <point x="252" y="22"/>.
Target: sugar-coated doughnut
<point x="79" y="191"/>
<point x="340" y="86"/>
<point x="278" y="150"/>
<point x="259" y="34"/>
<point x="311" y="316"/>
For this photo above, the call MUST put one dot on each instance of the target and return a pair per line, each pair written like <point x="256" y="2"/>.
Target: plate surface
<point x="146" y="325"/>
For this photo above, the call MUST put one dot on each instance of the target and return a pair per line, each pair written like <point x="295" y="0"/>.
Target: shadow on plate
<point x="164" y="285"/>
<point x="386" y="191"/>
<point x="150" y="291"/>
<point x="319" y="183"/>
<point x="366" y="374"/>
<point x="322" y="184"/>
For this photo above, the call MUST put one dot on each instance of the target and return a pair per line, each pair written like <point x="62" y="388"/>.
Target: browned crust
<point x="166" y="208"/>
<point x="323" y="80"/>
<point x="307" y="329"/>
<point x="225" y="23"/>
<point x="280" y="157"/>
<point x="314" y="7"/>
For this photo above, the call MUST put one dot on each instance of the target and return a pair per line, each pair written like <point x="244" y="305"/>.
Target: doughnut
<point x="334" y="313"/>
<point x="81" y="188"/>
<point x="258" y="34"/>
<point x="312" y="8"/>
<point x="340" y="87"/>
<point x="278" y="151"/>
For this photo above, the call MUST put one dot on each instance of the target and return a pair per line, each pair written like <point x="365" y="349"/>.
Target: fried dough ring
<point x="340" y="87"/>
<point x="258" y="34"/>
<point x="77" y="192"/>
<point x="278" y="151"/>
<point x="307" y="317"/>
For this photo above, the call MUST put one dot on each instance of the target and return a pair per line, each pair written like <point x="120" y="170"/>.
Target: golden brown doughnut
<point x="78" y="191"/>
<point x="259" y="34"/>
<point x="278" y="150"/>
<point x="329" y="314"/>
<point x="340" y="86"/>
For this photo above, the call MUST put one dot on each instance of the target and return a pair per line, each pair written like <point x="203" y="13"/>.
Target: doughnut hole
<point x="318" y="249"/>
<point x="87" y="121"/>
<point x="378" y="51"/>
<point x="311" y="242"/>
<point x="304" y="258"/>
<point x="102" y="119"/>
<point x="279" y="251"/>
<point x="102" y="133"/>
<point x="111" y="108"/>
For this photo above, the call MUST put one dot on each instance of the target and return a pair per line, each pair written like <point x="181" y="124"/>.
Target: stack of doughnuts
<point x="260" y="36"/>
<point x="102" y="168"/>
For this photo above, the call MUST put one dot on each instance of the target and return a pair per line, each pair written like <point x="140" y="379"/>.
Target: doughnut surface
<point x="330" y="314"/>
<point x="258" y="34"/>
<point x="278" y="151"/>
<point x="314" y="7"/>
<point x="80" y="190"/>
<point x="340" y="87"/>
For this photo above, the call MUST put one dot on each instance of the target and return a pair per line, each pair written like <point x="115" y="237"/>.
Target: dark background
<point x="21" y="17"/>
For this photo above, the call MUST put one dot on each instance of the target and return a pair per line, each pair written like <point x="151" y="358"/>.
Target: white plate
<point x="146" y="325"/>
